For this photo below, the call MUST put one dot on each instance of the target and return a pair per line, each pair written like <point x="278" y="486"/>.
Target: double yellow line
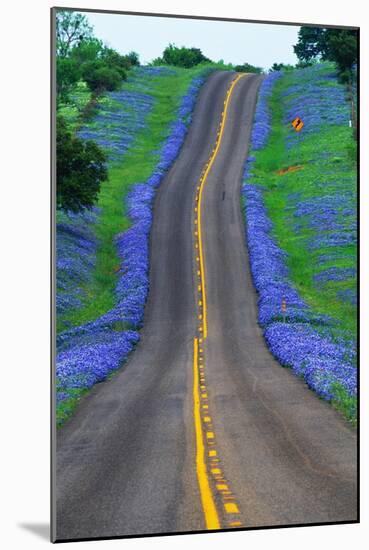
<point x="207" y="498"/>
<point x="203" y="179"/>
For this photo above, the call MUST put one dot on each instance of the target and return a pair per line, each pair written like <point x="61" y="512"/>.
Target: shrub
<point x="80" y="169"/>
<point x="247" y="68"/>
<point x="99" y="77"/>
<point x="281" y="67"/>
<point x="115" y="61"/>
<point x="183" y="57"/>
<point x="87" y="50"/>
<point x="67" y="75"/>
<point x="133" y="58"/>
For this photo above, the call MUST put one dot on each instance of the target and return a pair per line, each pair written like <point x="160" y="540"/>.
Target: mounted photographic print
<point x="204" y="369"/>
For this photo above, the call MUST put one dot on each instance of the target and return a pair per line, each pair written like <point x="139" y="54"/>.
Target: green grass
<point x="344" y="403"/>
<point x="313" y="180"/>
<point x="72" y="111"/>
<point x="326" y="164"/>
<point x="136" y="166"/>
<point x="65" y="408"/>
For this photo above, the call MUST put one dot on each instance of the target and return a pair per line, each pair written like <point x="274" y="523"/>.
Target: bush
<point x="281" y="67"/>
<point x="67" y="75"/>
<point x="247" y="68"/>
<point x="80" y="169"/>
<point x="133" y="58"/>
<point x="87" y="50"/>
<point x="115" y="61"/>
<point x="99" y="77"/>
<point x="183" y="57"/>
<point x="157" y="62"/>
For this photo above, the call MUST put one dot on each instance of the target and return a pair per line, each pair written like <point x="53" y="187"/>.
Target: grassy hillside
<point x="102" y="255"/>
<point x="131" y="125"/>
<point x="307" y="182"/>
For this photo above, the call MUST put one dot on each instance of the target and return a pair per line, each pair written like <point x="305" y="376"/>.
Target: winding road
<point x="202" y="428"/>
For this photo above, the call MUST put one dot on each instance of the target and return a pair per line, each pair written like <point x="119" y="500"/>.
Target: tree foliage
<point x="281" y="67"/>
<point x="87" y="50"/>
<point x="101" y="77"/>
<point x="81" y="55"/>
<point x="71" y="29"/>
<point x="133" y="58"/>
<point x="182" y="57"/>
<point x="337" y="45"/>
<point x="80" y="169"/>
<point x="247" y="68"/>
<point x="81" y="164"/>
<point x="67" y="75"/>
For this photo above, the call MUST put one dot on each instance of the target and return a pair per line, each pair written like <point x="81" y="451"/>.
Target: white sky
<point x="255" y="43"/>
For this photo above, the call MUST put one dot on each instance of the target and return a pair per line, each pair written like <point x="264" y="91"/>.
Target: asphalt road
<point x="126" y="460"/>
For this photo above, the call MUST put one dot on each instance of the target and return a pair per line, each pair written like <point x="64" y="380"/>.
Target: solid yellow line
<point x="207" y="500"/>
<point x="203" y="180"/>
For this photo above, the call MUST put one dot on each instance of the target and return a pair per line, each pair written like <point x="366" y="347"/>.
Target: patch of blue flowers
<point x="304" y="340"/>
<point x="332" y="217"/>
<point x="269" y="270"/>
<point x="317" y="100"/>
<point x="88" y="353"/>
<point x="348" y="295"/>
<point x="120" y="116"/>
<point x="75" y="257"/>
<point x="334" y="274"/>
<point x="263" y="117"/>
<point x="123" y="113"/>
<point x="321" y="362"/>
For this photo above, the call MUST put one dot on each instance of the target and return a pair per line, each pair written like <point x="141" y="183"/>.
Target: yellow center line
<point x="205" y="438"/>
<point x="203" y="180"/>
<point x="207" y="500"/>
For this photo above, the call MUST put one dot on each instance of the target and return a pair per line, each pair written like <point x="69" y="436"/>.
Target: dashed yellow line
<point x="213" y="486"/>
<point x="208" y="505"/>
<point x="231" y="508"/>
<point x="200" y="191"/>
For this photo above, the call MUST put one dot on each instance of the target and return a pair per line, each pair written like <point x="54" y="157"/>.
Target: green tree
<point x="133" y="58"/>
<point x="99" y="77"/>
<point x="281" y="67"/>
<point x="114" y="60"/>
<point x="67" y="75"/>
<point x="337" y="45"/>
<point x="87" y="50"/>
<point x="183" y="57"/>
<point x="71" y="29"/>
<point x="157" y="62"/>
<point x="80" y="169"/>
<point x="247" y="68"/>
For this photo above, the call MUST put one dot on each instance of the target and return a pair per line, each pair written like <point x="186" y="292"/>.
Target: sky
<point x="255" y="43"/>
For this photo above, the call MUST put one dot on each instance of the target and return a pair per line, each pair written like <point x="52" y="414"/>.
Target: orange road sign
<point x="297" y="124"/>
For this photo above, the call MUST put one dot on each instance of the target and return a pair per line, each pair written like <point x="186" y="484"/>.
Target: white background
<point x="24" y="306"/>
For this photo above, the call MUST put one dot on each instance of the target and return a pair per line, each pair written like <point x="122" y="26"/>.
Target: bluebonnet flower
<point x="347" y="295"/>
<point x="317" y="99"/>
<point x="121" y="114"/>
<point x="316" y="358"/>
<point x="75" y="257"/>
<point x="89" y="352"/>
<point x="334" y="274"/>
<point x="305" y="340"/>
<point x="262" y="121"/>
